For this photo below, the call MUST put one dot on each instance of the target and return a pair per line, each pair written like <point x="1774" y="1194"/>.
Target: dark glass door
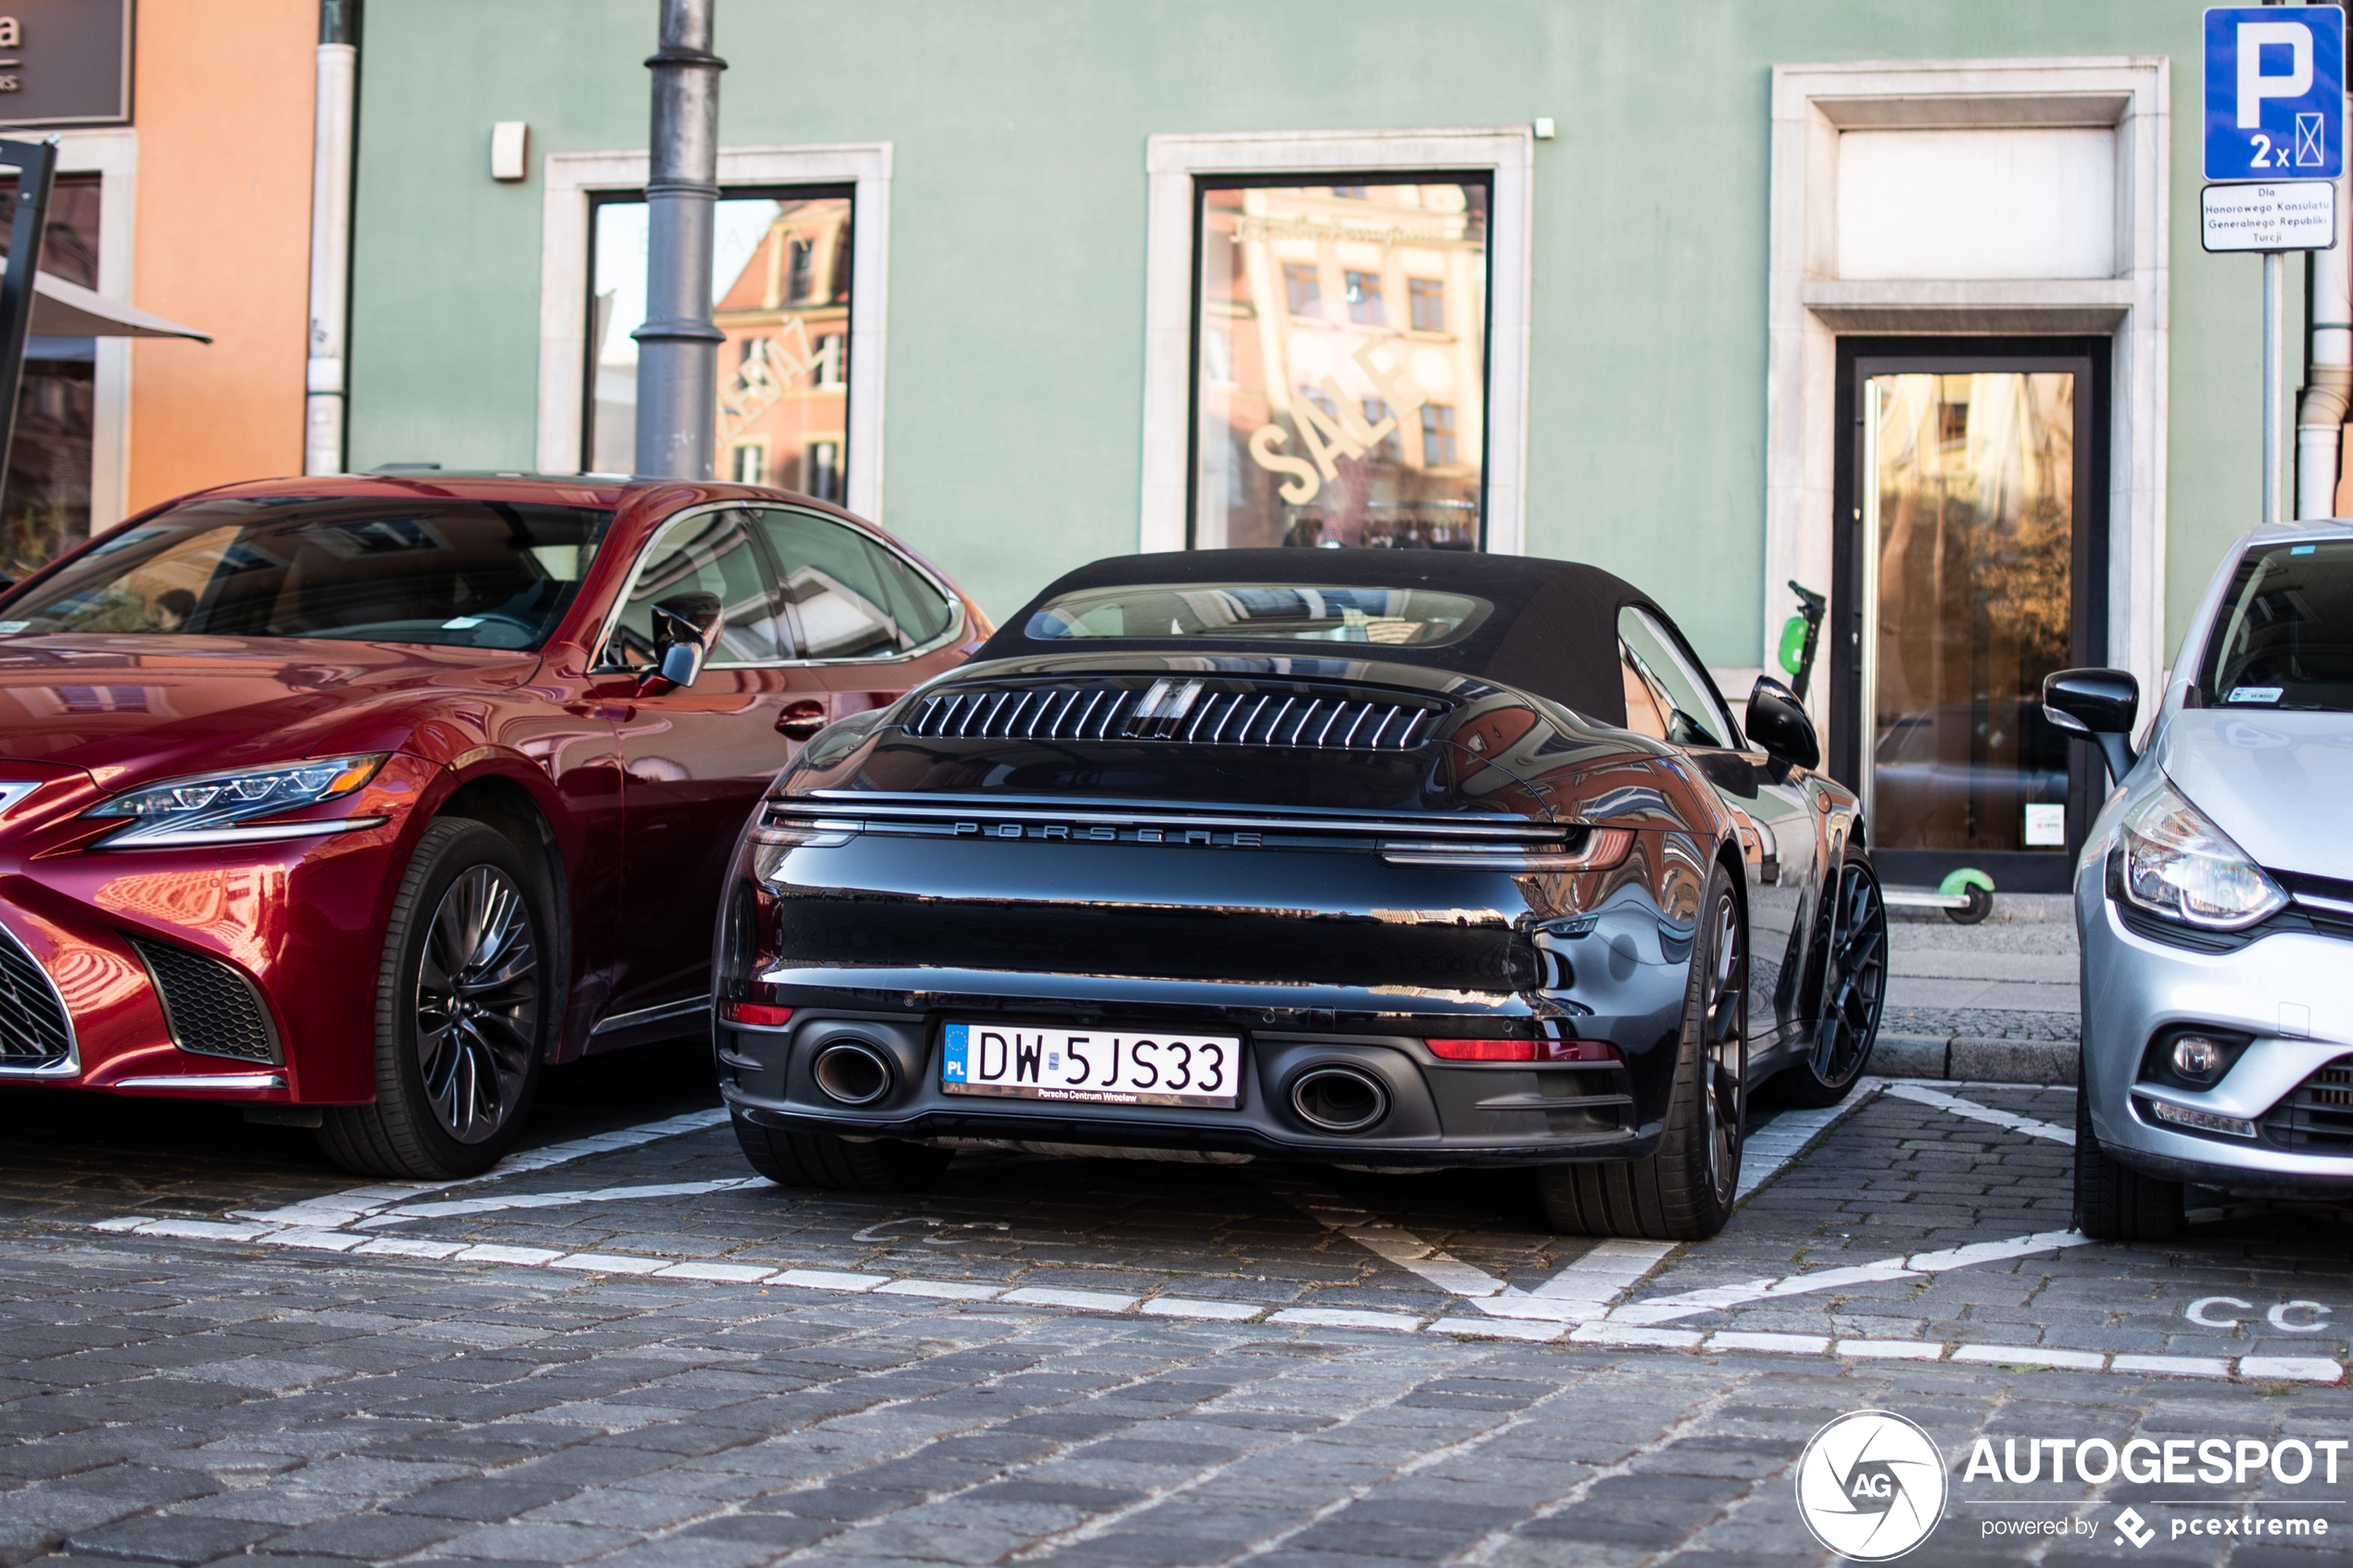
<point x="1971" y="565"/>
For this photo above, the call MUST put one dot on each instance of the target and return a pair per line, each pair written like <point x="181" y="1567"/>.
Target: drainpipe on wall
<point x="331" y="148"/>
<point x="678" y="347"/>
<point x="2320" y="419"/>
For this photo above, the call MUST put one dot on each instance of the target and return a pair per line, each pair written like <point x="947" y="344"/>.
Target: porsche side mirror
<point x="1776" y="721"/>
<point x="2102" y="705"/>
<point x="686" y="625"/>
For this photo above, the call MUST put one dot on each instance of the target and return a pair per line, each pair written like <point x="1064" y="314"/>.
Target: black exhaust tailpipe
<point x="1338" y="1099"/>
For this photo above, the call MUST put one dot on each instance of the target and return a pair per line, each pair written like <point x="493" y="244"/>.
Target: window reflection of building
<point x="1323" y="414"/>
<point x="781" y="292"/>
<point x="49" y="463"/>
<point x="789" y="309"/>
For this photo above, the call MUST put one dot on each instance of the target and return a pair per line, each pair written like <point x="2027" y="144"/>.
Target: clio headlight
<point x="2181" y="866"/>
<point x="191" y="810"/>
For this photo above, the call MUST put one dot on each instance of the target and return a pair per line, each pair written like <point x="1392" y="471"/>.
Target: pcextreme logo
<point x="1870" y="1486"/>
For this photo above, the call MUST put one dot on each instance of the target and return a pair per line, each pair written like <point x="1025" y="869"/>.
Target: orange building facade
<point x="196" y="207"/>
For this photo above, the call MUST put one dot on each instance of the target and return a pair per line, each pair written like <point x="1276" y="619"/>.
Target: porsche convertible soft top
<point x="1552" y="630"/>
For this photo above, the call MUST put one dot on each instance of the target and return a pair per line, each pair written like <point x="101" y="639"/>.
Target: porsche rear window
<point x="1259" y="612"/>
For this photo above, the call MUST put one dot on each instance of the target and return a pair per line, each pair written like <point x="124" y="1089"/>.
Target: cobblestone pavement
<point x="620" y="1348"/>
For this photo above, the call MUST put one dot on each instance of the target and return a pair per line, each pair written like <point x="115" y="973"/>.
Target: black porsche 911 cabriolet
<point x="1397" y="859"/>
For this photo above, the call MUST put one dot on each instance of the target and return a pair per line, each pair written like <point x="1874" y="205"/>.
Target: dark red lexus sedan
<point x="361" y="799"/>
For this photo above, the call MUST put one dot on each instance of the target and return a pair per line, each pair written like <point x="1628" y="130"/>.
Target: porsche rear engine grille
<point x="2318" y="1118"/>
<point x="210" y="1006"/>
<point x="35" y="1033"/>
<point x="1194" y="711"/>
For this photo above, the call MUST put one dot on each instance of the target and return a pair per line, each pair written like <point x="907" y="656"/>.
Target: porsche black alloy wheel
<point x="1854" y="990"/>
<point x="1684" y="1190"/>
<point x="2114" y="1202"/>
<point x="823" y="1160"/>
<point x="463" y="1006"/>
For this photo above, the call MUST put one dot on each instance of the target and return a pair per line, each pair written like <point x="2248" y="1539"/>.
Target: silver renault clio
<point x="2214" y="900"/>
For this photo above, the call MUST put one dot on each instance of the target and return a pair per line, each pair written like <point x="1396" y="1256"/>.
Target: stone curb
<point x="1974" y="1060"/>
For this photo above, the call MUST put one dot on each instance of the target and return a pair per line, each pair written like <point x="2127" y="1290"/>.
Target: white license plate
<point x="1095" y="1066"/>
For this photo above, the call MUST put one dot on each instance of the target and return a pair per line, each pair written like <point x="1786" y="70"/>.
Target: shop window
<point x="780" y="290"/>
<point x="1302" y="290"/>
<point x="49" y="464"/>
<point x="1438" y="435"/>
<point x="1426" y="299"/>
<point x="1300" y="417"/>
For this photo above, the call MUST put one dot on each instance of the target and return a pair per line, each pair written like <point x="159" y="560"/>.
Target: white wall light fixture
<point x="510" y="142"/>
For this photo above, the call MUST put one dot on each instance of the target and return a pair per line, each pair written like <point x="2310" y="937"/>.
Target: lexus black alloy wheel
<point x="1684" y="1189"/>
<point x="1853" y="995"/>
<point x="477" y="1004"/>
<point x="462" y="1016"/>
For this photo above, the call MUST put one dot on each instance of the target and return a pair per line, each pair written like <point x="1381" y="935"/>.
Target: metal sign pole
<point x="36" y="166"/>
<point x="2274" y="364"/>
<point x="678" y="347"/>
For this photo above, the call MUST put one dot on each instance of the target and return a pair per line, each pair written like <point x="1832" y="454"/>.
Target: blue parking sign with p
<point x="2274" y="92"/>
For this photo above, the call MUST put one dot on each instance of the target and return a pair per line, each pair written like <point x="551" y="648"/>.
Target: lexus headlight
<point x="2179" y="865"/>
<point x="208" y="808"/>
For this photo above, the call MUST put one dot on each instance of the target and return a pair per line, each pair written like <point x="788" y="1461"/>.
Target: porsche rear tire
<point x="835" y="1164"/>
<point x="1684" y="1189"/>
<point x="466" y="999"/>
<point x="1854" y="993"/>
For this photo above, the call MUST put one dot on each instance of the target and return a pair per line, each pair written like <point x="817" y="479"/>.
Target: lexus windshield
<point x="485" y="574"/>
<point x="2283" y="636"/>
<point x="1260" y="613"/>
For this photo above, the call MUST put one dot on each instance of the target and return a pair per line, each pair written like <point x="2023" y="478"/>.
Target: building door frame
<point x="1851" y="640"/>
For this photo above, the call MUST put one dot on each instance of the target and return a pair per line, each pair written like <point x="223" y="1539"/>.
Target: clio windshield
<point x="485" y="574"/>
<point x="2283" y="636"/>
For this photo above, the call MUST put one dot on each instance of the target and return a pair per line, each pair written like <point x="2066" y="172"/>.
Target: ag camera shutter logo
<point x="1870" y="1486"/>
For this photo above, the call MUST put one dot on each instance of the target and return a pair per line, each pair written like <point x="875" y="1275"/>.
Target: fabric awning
<point x="63" y="309"/>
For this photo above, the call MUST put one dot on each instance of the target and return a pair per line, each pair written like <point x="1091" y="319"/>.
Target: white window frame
<point x="571" y="178"/>
<point x="1809" y="305"/>
<point x="1505" y="153"/>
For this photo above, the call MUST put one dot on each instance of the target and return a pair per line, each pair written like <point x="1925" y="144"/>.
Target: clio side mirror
<point x="1777" y="722"/>
<point x="686" y="625"/>
<point x="2101" y="705"/>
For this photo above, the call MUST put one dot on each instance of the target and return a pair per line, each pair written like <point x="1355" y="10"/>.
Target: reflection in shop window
<point x="49" y="463"/>
<point x="1301" y="419"/>
<point x="780" y="291"/>
<point x="1438" y="435"/>
<point x="750" y="464"/>
<point x="1426" y="297"/>
<point x="821" y="474"/>
<point x="1303" y="290"/>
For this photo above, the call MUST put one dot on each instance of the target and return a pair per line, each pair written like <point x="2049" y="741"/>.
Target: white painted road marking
<point x="550" y="1200"/>
<point x="1771" y="1147"/>
<point x="1923" y="1095"/>
<point x="1691" y="1303"/>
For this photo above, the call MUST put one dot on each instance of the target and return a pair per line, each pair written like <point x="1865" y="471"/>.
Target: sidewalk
<point x="1990" y="1003"/>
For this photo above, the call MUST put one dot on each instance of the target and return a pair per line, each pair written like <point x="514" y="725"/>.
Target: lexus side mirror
<point x="686" y="625"/>
<point x="1776" y="721"/>
<point x="2102" y="705"/>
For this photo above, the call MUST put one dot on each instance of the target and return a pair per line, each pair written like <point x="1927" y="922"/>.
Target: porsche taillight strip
<point x="1173" y="710"/>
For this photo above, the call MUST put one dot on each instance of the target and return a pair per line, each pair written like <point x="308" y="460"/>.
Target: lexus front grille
<point x="36" y="1035"/>
<point x="2318" y="1118"/>
<point x="1199" y="712"/>
<point x="209" y="1006"/>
